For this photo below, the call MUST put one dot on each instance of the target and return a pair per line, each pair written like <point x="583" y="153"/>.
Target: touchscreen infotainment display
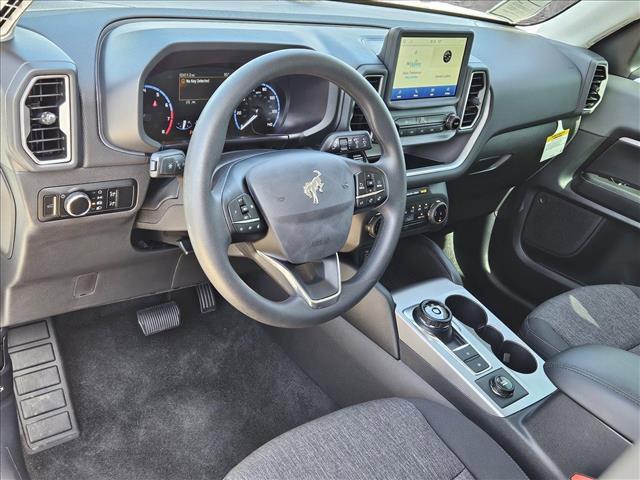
<point x="427" y="67"/>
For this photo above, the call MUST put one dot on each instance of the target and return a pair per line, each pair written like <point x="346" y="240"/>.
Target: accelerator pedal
<point x="159" y="318"/>
<point x="206" y="297"/>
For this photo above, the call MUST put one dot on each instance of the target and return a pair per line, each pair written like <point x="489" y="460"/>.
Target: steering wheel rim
<point x="203" y="197"/>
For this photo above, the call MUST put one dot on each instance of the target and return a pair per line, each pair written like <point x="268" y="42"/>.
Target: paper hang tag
<point x="554" y="144"/>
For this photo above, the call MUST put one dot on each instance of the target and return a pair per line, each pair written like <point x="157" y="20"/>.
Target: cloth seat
<point x="383" y="439"/>
<point x="601" y="315"/>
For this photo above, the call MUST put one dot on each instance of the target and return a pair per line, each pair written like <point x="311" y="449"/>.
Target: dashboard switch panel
<point x="72" y="201"/>
<point x="426" y="207"/>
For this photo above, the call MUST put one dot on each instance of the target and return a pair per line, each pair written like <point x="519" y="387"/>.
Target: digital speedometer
<point x="259" y="111"/>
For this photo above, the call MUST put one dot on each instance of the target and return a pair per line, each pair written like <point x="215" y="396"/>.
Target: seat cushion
<point x="602" y="315"/>
<point x="383" y="439"/>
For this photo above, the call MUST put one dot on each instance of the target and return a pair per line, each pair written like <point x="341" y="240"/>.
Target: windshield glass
<point x="515" y="12"/>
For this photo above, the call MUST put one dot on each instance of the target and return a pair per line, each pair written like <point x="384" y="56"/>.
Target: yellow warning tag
<point x="554" y="145"/>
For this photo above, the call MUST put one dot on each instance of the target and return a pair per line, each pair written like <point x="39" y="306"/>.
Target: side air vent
<point x="46" y="120"/>
<point x="475" y="98"/>
<point x="596" y="89"/>
<point x="358" y="122"/>
<point x="10" y="12"/>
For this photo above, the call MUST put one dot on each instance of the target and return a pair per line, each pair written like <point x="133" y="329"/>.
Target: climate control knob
<point x="438" y="213"/>
<point x="77" y="204"/>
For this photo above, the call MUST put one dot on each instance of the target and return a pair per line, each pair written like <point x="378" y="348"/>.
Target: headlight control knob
<point x="77" y="204"/>
<point x="438" y="212"/>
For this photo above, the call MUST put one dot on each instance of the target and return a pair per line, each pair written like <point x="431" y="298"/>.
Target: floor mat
<point x="188" y="403"/>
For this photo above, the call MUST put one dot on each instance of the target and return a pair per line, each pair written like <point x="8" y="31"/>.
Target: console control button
<point x="465" y="353"/>
<point x="434" y="316"/>
<point x="502" y="386"/>
<point x="477" y="364"/>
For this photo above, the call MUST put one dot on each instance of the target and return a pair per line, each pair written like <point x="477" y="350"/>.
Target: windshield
<point x="515" y="12"/>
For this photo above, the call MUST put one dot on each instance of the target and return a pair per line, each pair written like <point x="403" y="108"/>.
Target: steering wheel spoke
<point x="318" y="284"/>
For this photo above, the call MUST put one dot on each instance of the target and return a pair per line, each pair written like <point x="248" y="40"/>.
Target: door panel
<point x="613" y="179"/>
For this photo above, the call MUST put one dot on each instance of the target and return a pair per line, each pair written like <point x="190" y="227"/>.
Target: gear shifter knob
<point x="435" y="317"/>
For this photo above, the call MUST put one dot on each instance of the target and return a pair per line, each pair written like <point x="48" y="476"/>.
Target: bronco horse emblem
<point x="312" y="188"/>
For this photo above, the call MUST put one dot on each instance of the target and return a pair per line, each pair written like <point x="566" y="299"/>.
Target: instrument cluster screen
<point x="172" y="101"/>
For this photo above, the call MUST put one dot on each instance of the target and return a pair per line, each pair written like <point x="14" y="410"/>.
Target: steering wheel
<point x="290" y="210"/>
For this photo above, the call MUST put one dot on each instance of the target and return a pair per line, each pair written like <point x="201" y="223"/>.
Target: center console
<point x="461" y="339"/>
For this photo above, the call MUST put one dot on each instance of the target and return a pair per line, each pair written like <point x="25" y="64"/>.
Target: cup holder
<point x="517" y="358"/>
<point x="467" y="311"/>
<point x="493" y="337"/>
<point x="512" y="354"/>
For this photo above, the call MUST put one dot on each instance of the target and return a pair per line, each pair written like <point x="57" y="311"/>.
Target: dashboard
<point x="470" y="99"/>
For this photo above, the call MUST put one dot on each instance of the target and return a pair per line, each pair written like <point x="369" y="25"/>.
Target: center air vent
<point x="475" y="98"/>
<point x="358" y="121"/>
<point x="596" y="89"/>
<point x="46" y="121"/>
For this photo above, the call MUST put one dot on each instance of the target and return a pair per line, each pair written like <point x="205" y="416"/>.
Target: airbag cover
<point x="307" y="198"/>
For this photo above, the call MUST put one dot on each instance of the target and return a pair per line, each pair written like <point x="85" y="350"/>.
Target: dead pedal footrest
<point x="206" y="297"/>
<point x="44" y="406"/>
<point x="159" y="318"/>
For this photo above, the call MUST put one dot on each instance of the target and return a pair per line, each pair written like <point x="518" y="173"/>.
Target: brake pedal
<point x="159" y="318"/>
<point x="206" y="297"/>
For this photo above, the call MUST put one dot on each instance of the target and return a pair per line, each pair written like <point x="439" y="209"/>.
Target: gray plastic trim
<point x="271" y="263"/>
<point x="444" y="360"/>
<point x="464" y="154"/>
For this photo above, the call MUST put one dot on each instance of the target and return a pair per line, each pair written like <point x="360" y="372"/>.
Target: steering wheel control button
<point x="370" y="188"/>
<point x="477" y="364"/>
<point x="244" y="215"/>
<point x="465" y="353"/>
<point x="435" y="317"/>
<point x="502" y="386"/>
